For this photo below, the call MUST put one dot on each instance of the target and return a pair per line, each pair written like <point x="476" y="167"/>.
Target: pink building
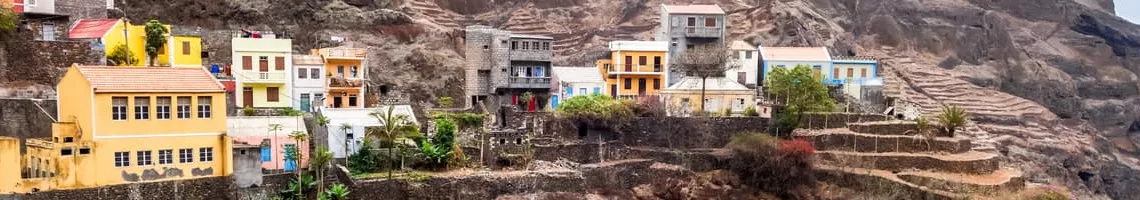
<point x="256" y="130"/>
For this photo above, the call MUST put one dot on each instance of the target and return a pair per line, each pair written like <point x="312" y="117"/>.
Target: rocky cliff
<point x="1052" y="84"/>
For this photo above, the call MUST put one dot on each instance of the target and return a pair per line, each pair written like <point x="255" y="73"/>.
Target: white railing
<point x="256" y="76"/>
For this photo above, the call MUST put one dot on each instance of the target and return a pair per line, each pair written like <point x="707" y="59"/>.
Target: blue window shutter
<point x="266" y="156"/>
<point x="597" y="90"/>
<point x="569" y="91"/>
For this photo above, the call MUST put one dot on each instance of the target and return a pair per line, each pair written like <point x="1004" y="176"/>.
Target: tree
<point x="299" y="137"/>
<point x="8" y="16"/>
<point x="274" y="128"/>
<point x="155" y="39"/>
<point x="952" y="118"/>
<point x="318" y="162"/>
<point x="800" y="90"/>
<point x="704" y="62"/>
<point x="394" y="128"/>
<point x="322" y="120"/>
<point x="120" y="56"/>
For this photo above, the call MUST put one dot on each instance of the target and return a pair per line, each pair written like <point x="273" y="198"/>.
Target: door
<point x="263" y="65"/>
<point x="305" y="103"/>
<point x="613" y="90"/>
<point x="290" y="164"/>
<point x="742" y="77"/>
<point x="336" y="101"/>
<point x="629" y="63"/>
<point x="641" y="86"/>
<point x="247" y="97"/>
<point x="266" y="155"/>
<point x="49" y="31"/>
<point x="554" y="101"/>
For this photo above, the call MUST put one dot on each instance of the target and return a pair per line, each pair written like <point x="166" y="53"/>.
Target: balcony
<point x="703" y="32"/>
<point x="343" y="53"/>
<point x="529" y="82"/>
<point x="635" y="69"/>
<point x="337" y="82"/>
<point x="263" y="77"/>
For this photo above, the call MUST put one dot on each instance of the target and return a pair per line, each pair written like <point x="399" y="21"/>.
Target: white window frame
<point x="186" y="155"/>
<point x="142" y="112"/>
<point x="119" y="112"/>
<point x="302" y="73"/>
<point x="144" y="158"/>
<point x="123" y="159"/>
<point x="162" y="111"/>
<point x="184" y="107"/>
<point x="204" y="107"/>
<point x="166" y="156"/>
<point x="206" y="154"/>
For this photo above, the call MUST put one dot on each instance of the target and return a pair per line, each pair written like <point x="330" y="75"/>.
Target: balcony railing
<point x="704" y="32"/>
<point x="634" y="69"/>
<point x="344" y="52"/>
<point x="255" y="76"/>
<point x="529" y="82"/>
<point x="338" y="82"/>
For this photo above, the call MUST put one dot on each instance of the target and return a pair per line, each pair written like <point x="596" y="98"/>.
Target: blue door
<point x="266" y="156"/>
<point x="305" y="102"/>
<point x="554" y="101"/>
<point x="290" y="164"/>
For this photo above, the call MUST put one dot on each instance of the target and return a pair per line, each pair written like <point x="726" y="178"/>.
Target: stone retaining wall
<point x="692" y="132"/>
<point x="880" y="144"/>
<point x="900" y="162"/>
<point x="837" y="120"/>
<point x="870" y="184"/>
<point x="22" y="118"/>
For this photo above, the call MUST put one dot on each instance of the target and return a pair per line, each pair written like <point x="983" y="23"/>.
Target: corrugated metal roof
<point x="639" y="46"/>
<point x="795" y="53"/>
<point x="578" y="74"/>
<point x="149" y="79"/>
<point x="91" y="28"/>
<point x="714" y="83"/>
<point x="694" y="9"/>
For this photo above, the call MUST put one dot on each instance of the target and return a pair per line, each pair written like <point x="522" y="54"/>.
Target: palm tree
<point x="322" y="120"/>
<point x="393" y="129"/>
<point x="299" y="137"/>
<point x="274" y="128"/>
<point x="317" y="162"/>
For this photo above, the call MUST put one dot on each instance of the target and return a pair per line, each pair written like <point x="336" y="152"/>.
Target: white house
<point x="308" y="82"/>
<point x="748" y="59"/>
<point x="574" y="81"/>
<point x="346" y="127"/>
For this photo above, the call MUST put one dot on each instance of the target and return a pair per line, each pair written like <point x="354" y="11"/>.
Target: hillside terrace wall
<point x="190" y="189"/>
<point x="837" y="120"/>
<point x="43" y="62"/>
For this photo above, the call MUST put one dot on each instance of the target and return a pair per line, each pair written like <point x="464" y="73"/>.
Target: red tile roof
<point x="150" y="79"/>
<point x="91" y="28"/>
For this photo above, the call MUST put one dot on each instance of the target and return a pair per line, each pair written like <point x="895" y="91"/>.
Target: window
<point x="185" y="47"/>
<point x="583" y="90"/>
<point x="747" y="54"/>
<point x="656" y="63"/>
<point x="863" y="72"/>
<point x="144" y="158"/>
<point x="84" y="151"/>
<point x="31" y="2"/>
<point x="642" y="60"/>
<point x="534" y="45"/>
<point x="546" y="46"/>
<point x="142" y="107"/>
<point x="835" y="73"/>
<point x="354" y="74"/>
<point x="315" y="73"/>
<point x="526" y="45"/>
<point x="162" y="110"/>
<point x="340" y="71"/>
<point x="185" y="155"/>
<point x="263" y="63"/>
<point x="352" y="100"/>
<point x="204" y="107"/>
<point x="246" y="63"/>
<point x="68" y="139"/>
<point x="206" y="154"/>
<point x="119" y="108"/>
<point x="165" y="156"/>
<point x="597" y="90"/>
<point x="710" y="21"/>
<point x="65" y="152"/>
<point x="183" y="107"/>
<point x="271" y="94"/>
<point x="628" y="82"/>
<point x="692" y="21"/>
<point x="122" y="159"/>
<point x="279" y="63"/>
<point x="514" y="45"/>
<point x="302" y="73"/>
<point x="850" y="72"/>
<point x="656" y="84"/>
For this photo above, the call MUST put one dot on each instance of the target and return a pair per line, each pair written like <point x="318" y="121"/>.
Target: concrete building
<point x="262" y="67"/>
<point x="501" y="67"/>
<point x="747" y="57"/>
<point x="183" y="46"/>
<point x="635" y="68"/>
<point x="347" y="126"/>
<point x="817" y="58"/>
<point x="308" y="82"/>
<point x="161" y="125"/>
<point x="689" y="26"/>
<point x="259" y="130"/>
<point x="720" y="94"/>
<point x="345" y="75"/>
<point x="575" y="81"/>
<point x="247" y="165"/>
<point x="48" y="20"/>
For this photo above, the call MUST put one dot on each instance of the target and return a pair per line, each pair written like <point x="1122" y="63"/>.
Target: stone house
<point x="688" y="26"/>
<point x="501" y="67"/>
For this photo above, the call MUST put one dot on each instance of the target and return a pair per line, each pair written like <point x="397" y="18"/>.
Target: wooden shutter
<point x="247" y="63"/>
<point x="710" y="22"/>
<point x="271" y="94"/>
<point x="263" y="64"/>
<point x="850" y="72"/>
<point x="835" y="73"/>
<point x="863" y="72"/>
<point x="185" y="47"/>
<point x="280" y="61"/>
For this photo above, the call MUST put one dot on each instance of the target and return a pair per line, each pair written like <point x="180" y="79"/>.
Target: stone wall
<point x="43" y="62"/>
<point x="82" y="9"/>
<point x="22" y="118"/>
<point x="203" y="188"/>
<point x="837" y="120"/>
<point x="691" y="132"/>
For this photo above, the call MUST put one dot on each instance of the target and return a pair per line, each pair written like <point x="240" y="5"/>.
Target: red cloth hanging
<point x="530" y="105"/>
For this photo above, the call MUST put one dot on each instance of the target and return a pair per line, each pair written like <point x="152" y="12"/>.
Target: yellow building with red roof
<point x="121" y="125"/>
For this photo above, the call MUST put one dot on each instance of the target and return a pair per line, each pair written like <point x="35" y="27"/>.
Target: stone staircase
<point x="888" y="156"/>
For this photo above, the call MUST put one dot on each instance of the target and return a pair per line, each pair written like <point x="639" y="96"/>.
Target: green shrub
<point x="121" y="56"/>
<point x="446" y="102"/>
<point x="337" y="192"/>
<point x="727" y="112"/>
<point x="780" y="167"/>
<point x="951" y="119"/>
<point x="750" y="111"/>
<point x="596" y="110"/>
<point x="365" y="160"/>
<point x="289" y="112"/>
<point x="297" y="188"/>
<point x="463" y="120"/>
<point x="8" y="17"/>
<point x="248" y="111"/>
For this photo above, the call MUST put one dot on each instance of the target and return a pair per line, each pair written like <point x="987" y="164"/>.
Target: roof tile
<point x="149" y="79"/>
<point x="91" y="28"/>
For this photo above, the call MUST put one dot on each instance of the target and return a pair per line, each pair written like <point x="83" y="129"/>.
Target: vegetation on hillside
<point x="781" y="167"/>
<point x="951" y="119"/>
<point x="120" y="56"/>
<point x="596" y="110"/>
<point x="394" y="131"/>
<point x="8" y="17"/>
<point x="800" y="90"/>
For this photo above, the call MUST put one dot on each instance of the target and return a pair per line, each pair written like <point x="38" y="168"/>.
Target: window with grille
<point x="142" y="107"/>
<point x="119" y="108"/>
<point x="206" y="154"/>
<point x="315" y="73"/>
<point x="546" y="46"/>
<point x="272" y="94"/>
<point x="183" y="107"/>
<point x="144" y="158"/>
<point x="185" y="155"/>
<point x="165" y="156"/>
<point x="354" y="69"/>
<point x="526" y="45"/>
<point x="692" y="21"/>
<point x="162" y="109"/>
<point x="302" y="73"/>
<point x="122" y="159"/>
<point x="204" y="107"/>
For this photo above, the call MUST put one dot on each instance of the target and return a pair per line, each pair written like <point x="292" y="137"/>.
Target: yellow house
<point x="345" y="77"/>
<point x="636" y="68"/>
<point x="183" y="48"/>
<point x="721" y="93"/>
<point x="262" y="69"/>
<point x="126" y="125"/>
